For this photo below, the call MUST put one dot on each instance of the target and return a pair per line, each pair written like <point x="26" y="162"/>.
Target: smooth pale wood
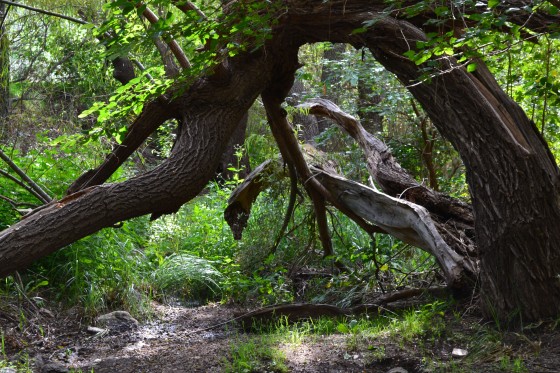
<point x="404" y="220"/>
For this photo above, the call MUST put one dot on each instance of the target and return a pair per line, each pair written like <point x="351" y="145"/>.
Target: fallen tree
<point x="512" y="175"/>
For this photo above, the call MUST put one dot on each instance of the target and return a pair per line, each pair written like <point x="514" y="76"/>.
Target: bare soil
<point x="179" y="339"/>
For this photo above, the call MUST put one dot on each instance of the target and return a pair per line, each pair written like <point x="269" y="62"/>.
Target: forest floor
<point x="181" y="339"/>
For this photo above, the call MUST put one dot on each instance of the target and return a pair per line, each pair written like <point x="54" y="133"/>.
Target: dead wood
<point x="402" y="219"/>
<point x="387" y="172"/>
<point x="241" y="199"/>
<point x="304" y="311"/>
<point x="450" y="219"/>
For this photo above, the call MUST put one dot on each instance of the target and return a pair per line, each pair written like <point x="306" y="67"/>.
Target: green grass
<point x="260" y="354"/>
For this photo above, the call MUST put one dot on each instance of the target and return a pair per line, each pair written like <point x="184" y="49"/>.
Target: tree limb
<point x="186" y="5"/>
<point x="68" y="18"/>
<point x="173" y="45"/>
<point x="23" y="185"/>
<point x="38" y="191"/>
<point x="387" y="172"/>
<point x="404" y="220"/>
<point x="291" y="205"/>
<point x="153" y="115"/>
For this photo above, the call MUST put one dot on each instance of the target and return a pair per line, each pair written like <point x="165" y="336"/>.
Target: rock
<point x="95" y="330"/>
<point x="54" y="367"/>
<point x="117" y="321"/>
<point x="459" y="353"/>
<point x="8" y="370"/>
<point x="397" y="370"/>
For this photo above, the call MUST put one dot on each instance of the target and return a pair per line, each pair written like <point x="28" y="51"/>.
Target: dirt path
<point x="174" y="342"/>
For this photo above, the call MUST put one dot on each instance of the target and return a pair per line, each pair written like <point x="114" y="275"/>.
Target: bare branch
<point x="23" y="185"/>
<point x="38" y="191"/>
<point x="42" y="11"/>
<point x="153" y="115"/>
<point x="387" y="172"/>
<point x="185" y="6"/>
<point x="291" y="205"/>
<point x="16" y="204"/>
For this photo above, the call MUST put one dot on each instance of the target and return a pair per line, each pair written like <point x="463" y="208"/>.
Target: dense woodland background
<point x="62" y="111"/>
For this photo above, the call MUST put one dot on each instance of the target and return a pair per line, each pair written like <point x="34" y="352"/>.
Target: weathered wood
<point x="402" y="219"/>
<point x="512" y="178"/>
<point x="241" y="199"/>
<point x="452" y="218"/>
<point x="387" y="172"/>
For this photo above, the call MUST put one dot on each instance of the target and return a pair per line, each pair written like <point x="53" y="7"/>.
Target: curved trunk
<point x="512" y="176"/>
<point x="212" y="109"/>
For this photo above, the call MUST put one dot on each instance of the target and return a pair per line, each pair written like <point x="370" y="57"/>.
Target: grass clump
<point x="256" y="355"/>
<point x="193" y="276"/>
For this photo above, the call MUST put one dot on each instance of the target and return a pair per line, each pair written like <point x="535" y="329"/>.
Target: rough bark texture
<point x="211" y="109"/>
<point x="229" y="158"/>
<point x="512" y="177"/>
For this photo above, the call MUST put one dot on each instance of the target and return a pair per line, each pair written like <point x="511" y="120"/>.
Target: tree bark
<point x="4" y="68"/>
<point x="211" y="109"/>
<point x="512" y="176"/>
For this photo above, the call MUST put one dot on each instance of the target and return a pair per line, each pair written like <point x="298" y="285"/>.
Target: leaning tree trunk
<point x="512" y="176"/>
<point x="210" y="111"/>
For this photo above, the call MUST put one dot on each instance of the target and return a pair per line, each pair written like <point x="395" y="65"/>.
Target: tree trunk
<point x="4" y="69"/>
<point x="512" y="176"/>
<point x="229" y="159"/>
<point x="206" y="130"/>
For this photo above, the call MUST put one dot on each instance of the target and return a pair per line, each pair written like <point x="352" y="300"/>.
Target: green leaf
<point x="493" y="3"/>
<point x="471" y="67"/>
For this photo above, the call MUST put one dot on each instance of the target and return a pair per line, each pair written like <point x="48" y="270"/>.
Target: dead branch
<point x="31" y="186"/>
<point x="304" y="311"/>
<point x="46" y="12"/>
<point x="387" y="172"/>
<point x="291" y="205"/>
<point x="241" y="199"/>
<point x="404" y="220"/>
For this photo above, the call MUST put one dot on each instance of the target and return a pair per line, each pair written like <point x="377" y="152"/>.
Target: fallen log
<point x="305" y="311"/>
<point x="387" y="172"/>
